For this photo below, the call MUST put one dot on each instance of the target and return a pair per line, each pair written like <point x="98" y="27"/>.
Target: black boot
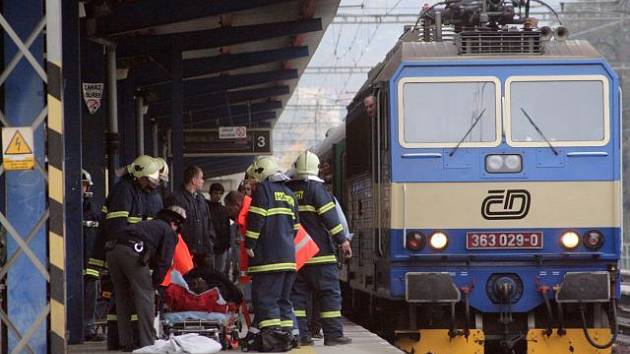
<point x="112" y="335"/>
<point x="306" y="341"/>
<point x="337" y="341"/>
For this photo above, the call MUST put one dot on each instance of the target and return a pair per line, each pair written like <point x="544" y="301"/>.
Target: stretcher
<point x="222" y="330"/>
<point x="208" y="314"/>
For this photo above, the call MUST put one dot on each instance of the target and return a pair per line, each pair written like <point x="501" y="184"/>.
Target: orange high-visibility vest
<point x="305" y="247"/>
<point x="182" y="260"/>
<point x="242" y="223"/>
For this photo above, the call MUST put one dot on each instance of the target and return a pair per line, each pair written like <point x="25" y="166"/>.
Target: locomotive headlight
<point x="494" y="163"/>
<point x="593" y="240"/>
<point x="513" y="163"/>
<point x="570" y="240"/>
<point x="504" y="163"/>
<point x="438" y="240"/>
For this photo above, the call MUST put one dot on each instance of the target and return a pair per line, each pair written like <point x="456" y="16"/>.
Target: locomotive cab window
<point x="558" y="110"/>
<point x="442" y="111"/>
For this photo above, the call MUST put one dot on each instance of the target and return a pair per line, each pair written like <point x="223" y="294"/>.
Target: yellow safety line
<point x="307" y="349"/>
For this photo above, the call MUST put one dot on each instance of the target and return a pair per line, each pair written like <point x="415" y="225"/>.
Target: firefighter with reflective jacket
<point x="319" y="274"/>
<point x="154" y="199"/>
<point x="138" y="249"/>
<point x="126" y="204"/>
<point x="91" y="273"/>
<point x="272" y="222"/>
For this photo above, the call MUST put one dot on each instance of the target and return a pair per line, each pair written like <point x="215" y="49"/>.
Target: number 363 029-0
<point x="504" y="240"/>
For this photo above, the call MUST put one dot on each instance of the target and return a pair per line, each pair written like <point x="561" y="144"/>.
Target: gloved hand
<point x="250" y="252"/>
<point x="346" y="249"/>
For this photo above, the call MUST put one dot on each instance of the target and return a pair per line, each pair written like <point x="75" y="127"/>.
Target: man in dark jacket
<point x="221" y="222"/>
<point x="198" y="232"/>
<point x="148" y="244"/>
<point x="272" y="222"/>
<point x="320" y="274"/>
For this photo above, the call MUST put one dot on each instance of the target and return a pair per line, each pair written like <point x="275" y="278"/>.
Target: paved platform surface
<point x="363" y="342"/>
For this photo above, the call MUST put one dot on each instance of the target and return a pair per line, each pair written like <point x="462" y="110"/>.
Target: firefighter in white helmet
<point x="272" y="222"/>
<point x="126" y="204"/>
<point x="319" y="275"/>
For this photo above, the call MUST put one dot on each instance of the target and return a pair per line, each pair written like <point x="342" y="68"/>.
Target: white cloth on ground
<point x="191" y="343"/>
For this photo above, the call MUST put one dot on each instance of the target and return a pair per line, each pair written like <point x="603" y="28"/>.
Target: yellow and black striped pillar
<point x="56" y="230"/>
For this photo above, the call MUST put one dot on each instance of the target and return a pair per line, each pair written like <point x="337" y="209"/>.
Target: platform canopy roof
<point x="241" y="58"/>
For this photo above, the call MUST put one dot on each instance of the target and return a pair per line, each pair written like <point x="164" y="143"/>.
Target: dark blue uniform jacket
<point x="272" y="222"/>
<point x="319" y="217"/>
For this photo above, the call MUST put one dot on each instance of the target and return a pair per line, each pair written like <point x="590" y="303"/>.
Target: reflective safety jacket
<point x="272" y="222"/>
<point x="125" y="204"/>
<point x="318" y="215"/>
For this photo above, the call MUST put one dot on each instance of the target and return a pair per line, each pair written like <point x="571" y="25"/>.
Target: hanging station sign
<point x="92" y="95"/>
<point x="211" y="142"/>
<point x="232" y="132"/>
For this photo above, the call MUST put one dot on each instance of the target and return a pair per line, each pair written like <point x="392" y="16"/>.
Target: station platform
<point x="363" y="342"/>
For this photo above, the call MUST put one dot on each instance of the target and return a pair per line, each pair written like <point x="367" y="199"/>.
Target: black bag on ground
<point x="275" y="340"/>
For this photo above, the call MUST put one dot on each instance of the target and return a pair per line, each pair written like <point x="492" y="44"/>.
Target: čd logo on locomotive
<point x="506" y="204"/>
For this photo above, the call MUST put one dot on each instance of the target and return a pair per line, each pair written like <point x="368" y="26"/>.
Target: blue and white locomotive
<point x="484" y="188"/>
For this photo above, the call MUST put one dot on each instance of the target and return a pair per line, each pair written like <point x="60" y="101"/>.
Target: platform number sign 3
<point x="262" y="141"/>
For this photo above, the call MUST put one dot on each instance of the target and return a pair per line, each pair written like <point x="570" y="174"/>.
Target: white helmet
<point x="307" y="163"/>
<point x="263" y="167"/>
<point x="86" y="177"/>
<point x="145" y="166"/>
<point x="163" y="169"/>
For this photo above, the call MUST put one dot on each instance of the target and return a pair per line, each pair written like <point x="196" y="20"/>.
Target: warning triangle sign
<point x="18" y="145"/>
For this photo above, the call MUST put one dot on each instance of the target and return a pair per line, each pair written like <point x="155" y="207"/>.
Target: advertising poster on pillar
<point x="92" y="95"/>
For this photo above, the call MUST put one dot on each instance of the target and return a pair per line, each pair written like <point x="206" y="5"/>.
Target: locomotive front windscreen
<point x="440" y="112"/>
<point x="569" y="111"/>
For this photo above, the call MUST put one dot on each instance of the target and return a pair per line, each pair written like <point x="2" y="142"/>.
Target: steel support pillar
<point x="72" y="147"/>
<point x="148" y="136"/>
<point x="127" y="120"/>
<point x="113" y="140"/>
<point x="23" y="104"/>
<point x="155" y="137"/>
<point x="140" y="123"/>
<point x="177" y="117"/>
<point x="93" y="70"/>
<point x="56" y="155"/>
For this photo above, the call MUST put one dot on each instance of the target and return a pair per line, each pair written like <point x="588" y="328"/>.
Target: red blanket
<point x="180" y="299"/>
